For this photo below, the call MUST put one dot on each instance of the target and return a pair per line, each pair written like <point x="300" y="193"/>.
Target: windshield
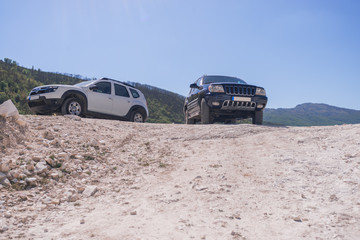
<point x="220" y="79"/>
<point x="82" y="84"/>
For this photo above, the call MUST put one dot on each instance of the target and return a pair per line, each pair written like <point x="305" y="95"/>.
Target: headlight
<point x="41" y="90"/>
<point x="260" y="91"/>
<point x="216" y="88"/>
<point x="50" y="89"/>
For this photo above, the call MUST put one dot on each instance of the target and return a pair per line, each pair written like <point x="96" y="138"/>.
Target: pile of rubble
<point x="41" y="157"/>
<point x="12" y="133"/>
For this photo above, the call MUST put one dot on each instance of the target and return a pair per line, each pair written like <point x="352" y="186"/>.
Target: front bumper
<point x="235" y="103"/>
<point x="42" y="105"/>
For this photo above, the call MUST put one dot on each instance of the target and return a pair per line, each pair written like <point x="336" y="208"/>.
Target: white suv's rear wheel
<point x="137" y="117"/>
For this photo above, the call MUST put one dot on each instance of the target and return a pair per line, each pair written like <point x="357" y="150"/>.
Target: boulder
<point x="8" y="109"/>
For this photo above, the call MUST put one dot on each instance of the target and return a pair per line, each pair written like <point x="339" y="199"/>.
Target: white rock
<point x="41" y="167"/>
<point x="48" y="135"/>
<point x="54" y="175"/>
<point x="73" y="117"/>
<point x="3" y="226"/>
<point x="6" y="183"/>
<point x="31" y="181"/>
<point x="64" y="156"/>
<point x="2" y="177"/>
<point x="4" y="167"/>
<point x="8" y="214"/>
<point x="8" y="109"/>
<point x="90" y="190"/>
<point x="36" y="158"/>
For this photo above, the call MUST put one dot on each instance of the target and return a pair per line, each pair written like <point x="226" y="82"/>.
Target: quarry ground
<point x="71" y="178"/>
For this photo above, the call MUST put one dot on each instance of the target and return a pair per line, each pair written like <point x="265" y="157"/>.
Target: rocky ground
<point x="64" y="177"/>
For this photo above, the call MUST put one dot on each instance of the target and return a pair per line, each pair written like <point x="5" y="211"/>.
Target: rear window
<point x="134" y="93"/>
<point x="121" y="91"/>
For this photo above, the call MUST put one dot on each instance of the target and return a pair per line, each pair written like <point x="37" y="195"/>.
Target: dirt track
<point x="157" y="181"/>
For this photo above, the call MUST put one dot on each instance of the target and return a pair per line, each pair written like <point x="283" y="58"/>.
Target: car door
<point x="100" y="99"/>
<point x="122" y="101"/>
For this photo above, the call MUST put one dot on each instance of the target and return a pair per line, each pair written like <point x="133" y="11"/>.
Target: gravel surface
<point x="64" y="177"/>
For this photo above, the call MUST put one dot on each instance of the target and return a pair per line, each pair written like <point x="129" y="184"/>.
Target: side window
<point x="134" y="93"/>
<point x="103" y="87"/>
<point x="191" y="91"/>
<point x="121" y="91"/>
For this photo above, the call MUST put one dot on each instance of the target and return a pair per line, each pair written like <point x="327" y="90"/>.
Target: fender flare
<point x="139" y="108"/>
<point x="75" y="93"/>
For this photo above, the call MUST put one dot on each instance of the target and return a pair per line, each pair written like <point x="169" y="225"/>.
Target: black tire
<point x="230" y="121"/>
<point x="73" y="106"/>
<point x="258" y="118"/>
<point x="205" y="112"/>
<point x="137" y="116"/>
<point x="187" y="120"/>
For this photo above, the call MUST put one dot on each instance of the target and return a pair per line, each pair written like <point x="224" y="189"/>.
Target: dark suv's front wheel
<point x="187" y="119"/>
<point x="257" y="118"/>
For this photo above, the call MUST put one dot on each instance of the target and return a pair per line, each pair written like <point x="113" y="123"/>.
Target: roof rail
<point x="127" y="84"/>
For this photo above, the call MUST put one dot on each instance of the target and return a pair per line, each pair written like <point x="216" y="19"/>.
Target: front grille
<point x="238" y="105"/>
<point x="37" y="103"/>
<point x="239" y="90"/>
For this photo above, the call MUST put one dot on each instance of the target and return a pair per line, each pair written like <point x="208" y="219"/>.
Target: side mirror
<point x="194" y="85"/>
<point x="93" y="87"/>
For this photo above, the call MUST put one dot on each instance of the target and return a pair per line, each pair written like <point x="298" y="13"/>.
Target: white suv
<point x="104" y="98"/>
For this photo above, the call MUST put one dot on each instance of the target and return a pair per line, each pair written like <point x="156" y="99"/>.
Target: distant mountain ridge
<point x="311" y="114"/>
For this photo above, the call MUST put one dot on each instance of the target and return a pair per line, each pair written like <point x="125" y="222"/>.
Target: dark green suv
<point x="224" y="99"/>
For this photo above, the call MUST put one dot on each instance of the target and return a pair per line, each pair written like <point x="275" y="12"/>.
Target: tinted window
<point x="134" y="93"/>
<point x="103" y="87"/>
<point x="217" y="79"/>
<point x="121" y="91"/>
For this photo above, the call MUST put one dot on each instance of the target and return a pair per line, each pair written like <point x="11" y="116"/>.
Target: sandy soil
<point x="121" y="180"/>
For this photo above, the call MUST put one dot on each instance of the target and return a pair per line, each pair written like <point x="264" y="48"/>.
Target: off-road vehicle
<point x="104" y="98"/>
<point x="224" y="99"/>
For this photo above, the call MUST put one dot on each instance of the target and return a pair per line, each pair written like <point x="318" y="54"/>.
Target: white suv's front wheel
<point x="72" y="106"/>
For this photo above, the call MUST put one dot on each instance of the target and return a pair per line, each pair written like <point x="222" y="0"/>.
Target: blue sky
<point x="299" y="50"/>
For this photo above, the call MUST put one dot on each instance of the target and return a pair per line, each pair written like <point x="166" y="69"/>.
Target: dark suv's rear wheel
<point x="257" y="118"/>
<point x="73" y="106"/>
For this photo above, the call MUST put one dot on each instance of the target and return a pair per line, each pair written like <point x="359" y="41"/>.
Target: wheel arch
<point x="137" y="108"/>
<point x="76" y="94"/>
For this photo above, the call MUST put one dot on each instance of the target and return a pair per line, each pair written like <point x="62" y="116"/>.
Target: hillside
<point x="311" y="114"/>
<point x="16" y="82"/>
